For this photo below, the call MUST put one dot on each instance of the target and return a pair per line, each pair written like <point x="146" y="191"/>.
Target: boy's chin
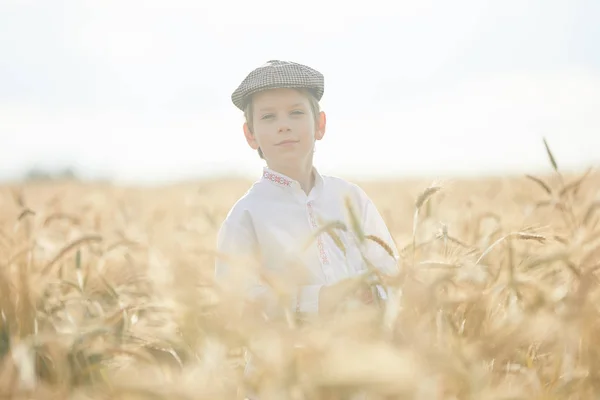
<point x="288" y="158"/>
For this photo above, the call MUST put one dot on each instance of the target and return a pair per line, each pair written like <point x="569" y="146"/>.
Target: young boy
<point x="279" y="213"/>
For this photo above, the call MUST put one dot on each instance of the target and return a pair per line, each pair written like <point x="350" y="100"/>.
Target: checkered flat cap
<point x="279" y="74"/>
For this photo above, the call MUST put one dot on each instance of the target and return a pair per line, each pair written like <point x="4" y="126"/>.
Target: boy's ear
<point x="250" y="137"/>
<point x="321" y="126"/>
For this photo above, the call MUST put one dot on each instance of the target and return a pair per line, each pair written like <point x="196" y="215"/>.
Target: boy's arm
<point x="374" y="225"/>
<point x="313" y="297"/>
<point x="307" y="298"/>
<point x="236" y="247"/>
<point x="237" y="242"/>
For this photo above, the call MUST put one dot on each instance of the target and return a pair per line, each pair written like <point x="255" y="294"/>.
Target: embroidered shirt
<point x="275" y="219"/>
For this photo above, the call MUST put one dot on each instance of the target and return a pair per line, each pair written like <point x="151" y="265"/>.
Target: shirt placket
<point x="323" y="257"/>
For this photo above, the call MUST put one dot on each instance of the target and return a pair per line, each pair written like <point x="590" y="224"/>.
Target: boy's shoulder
<point x="239" y="210"/>
<point x="344" y="187"/>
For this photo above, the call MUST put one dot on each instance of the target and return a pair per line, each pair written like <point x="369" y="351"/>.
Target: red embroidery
<point x="276" y="178"/>
<point x="285" y="182"/>
<point x="320" y="245"/>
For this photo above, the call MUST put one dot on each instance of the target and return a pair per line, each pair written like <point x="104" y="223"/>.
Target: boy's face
<point x="284" y="127"/>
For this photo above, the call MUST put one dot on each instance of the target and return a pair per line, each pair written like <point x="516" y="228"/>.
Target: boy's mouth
<point x="284" y="142"/>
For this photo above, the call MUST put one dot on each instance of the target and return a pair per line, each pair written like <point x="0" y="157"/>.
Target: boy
<point x="279" y="213"/>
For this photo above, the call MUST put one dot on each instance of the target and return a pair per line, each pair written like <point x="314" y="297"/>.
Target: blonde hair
<point x="315" y="108"/>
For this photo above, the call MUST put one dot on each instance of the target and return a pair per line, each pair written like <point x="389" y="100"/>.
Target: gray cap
<point x="279" y="74"/>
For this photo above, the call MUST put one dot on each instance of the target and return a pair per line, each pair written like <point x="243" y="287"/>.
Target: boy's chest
<point x="289" y="231"/>
<point x="293" y="221"/>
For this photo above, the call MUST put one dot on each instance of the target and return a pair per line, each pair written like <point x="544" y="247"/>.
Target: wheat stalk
<point x="493" y="311"/>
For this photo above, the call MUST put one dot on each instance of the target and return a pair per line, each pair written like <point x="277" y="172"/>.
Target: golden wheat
<point x="108" y="293"/>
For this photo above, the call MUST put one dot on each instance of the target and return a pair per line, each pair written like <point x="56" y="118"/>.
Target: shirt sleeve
<point x="237" y="250"/>
<point x="378" y="255"/>
<point x="375" y="226"/>
<point x="307" y="299"/>
<point x="237" y="245"/>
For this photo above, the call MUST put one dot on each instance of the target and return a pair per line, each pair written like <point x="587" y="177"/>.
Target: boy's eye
<point x="266" y="116"/>
<point x="297" y="112"/>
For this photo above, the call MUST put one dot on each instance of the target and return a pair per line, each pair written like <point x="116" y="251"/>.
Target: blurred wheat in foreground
<point x="108" y="293"/>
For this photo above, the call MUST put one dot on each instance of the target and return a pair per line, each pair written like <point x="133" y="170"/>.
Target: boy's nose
<point x="284" y="127"/>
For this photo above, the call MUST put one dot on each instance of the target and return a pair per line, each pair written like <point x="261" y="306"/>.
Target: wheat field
<point x="106" y="292"/>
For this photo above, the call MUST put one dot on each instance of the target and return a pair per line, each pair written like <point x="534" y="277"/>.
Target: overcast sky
<point x="140" y="90"/>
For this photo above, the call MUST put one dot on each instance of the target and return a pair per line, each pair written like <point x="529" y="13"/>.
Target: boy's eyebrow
<point x="272" y="108"/>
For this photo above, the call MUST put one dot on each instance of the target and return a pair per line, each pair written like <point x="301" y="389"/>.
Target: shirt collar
<point x="286" y="182"/>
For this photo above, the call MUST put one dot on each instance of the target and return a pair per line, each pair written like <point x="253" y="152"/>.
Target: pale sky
<point x="139" y="91"/>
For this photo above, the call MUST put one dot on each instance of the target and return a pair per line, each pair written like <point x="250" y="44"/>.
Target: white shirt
<point x="275" y="218"/>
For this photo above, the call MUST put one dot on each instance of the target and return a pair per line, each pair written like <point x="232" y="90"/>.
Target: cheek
<point x="263" y="133"/>
<point x="305" y="128"/>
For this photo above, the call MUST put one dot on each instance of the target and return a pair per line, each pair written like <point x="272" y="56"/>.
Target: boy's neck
<point x="303" y="174"/>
